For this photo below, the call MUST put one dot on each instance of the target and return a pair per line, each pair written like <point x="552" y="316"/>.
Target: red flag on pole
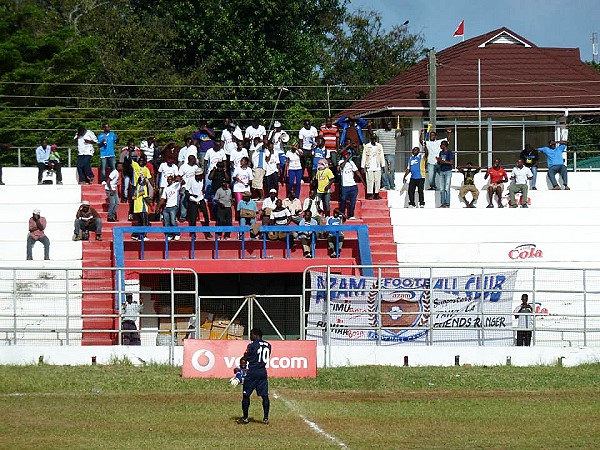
<point x="460" y="31"/>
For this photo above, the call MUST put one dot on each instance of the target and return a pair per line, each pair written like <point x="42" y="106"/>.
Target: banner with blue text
<point x="454" y="310"/>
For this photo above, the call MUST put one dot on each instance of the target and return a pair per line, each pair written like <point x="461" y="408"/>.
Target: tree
<point x="362" y="55"/>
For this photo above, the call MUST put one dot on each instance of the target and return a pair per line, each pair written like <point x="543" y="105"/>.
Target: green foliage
<point x="151" y="65"/>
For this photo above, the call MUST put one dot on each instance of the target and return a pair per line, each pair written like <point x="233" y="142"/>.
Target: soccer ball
<point x="234" y="381"/>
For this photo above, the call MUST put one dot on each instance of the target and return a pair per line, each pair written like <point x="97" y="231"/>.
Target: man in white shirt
<point x="230" y="135"/>
<point x="349" y="192"/>
<point x="168" y="205"/>
<point x="111" y="186"/>
<point x="187" y="150"/>
<point x="149" y="148"/>
<point x="278" y="138"/>
<point x="372" y="162"/>
<point x="211" y="158"/>
<point x="434" y="146"/>
<point x="256" y="130"/>
<point x="166" y="169"/>
<point x="388" y="139"/>
<point x="307" y="137"/>
<point x="197" y="203"/>
<point x="85" y="150"/>
<point x="259" y="168"/>
<point x="519" y="176"/>
<point x="187" y="173"/>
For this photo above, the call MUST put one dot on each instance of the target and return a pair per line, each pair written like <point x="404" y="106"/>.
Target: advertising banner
<point x="453" y="309"/>
<point x="218" y="358"/>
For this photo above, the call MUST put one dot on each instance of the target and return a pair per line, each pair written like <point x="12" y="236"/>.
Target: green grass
<point x="125" y="407"/>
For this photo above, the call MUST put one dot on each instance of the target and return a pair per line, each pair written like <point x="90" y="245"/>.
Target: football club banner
<point x="456" y="310"/>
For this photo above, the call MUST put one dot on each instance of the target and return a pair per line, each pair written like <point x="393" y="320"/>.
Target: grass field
<point x="124" y="407"/>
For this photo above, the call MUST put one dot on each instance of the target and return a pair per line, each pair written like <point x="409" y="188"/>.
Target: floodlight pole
<point x="432" y="90"/>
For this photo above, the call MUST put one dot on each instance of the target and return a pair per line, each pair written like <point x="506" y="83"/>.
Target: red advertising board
<point x="218" y="358"/>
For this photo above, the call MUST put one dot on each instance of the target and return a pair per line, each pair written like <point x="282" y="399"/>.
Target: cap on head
<point x="36" y="211"/>
<point x="198" y="171"/>
<point x="273" y="191"/>
<point x="85" y="203"/>
<point x="246" y="194"/>
<point x="277" y="124"/>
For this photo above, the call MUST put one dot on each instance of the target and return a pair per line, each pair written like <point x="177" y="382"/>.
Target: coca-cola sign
<point x="525" y="251"/>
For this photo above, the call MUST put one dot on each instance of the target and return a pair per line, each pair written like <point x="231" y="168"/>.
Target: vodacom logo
<point x="209" y="358"/>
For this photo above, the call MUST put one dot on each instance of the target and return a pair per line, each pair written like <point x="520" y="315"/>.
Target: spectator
<point x="524" y="313"/>
<point x="307" y="142"/>
<point x="294" y="206"/>
<point x="256" y="130"/>
<point x="278" y="138"/>
<point x="314" y="205"/>
<point x="168" y="204"/>
<point x="247" y="210"/>
<point x="446" y="161"/>
<point x="106" y="143"/>
<point x="325" y="178"/>
<point x="416" y="169"/>
<point x="242" y="176"/>
<point x="387" y="139"/>
<point x="187" y="172"/>
<point x="213" y="156"/>
<point x="218" y="175"/>
<point x="259" y="166"/>
<point x="305" y="237"/>
<point x="530" y="157"/>
<point x="127" y="156"/>
<point x="268" y="205"/>
<point x="349" y="193"/>
<point x="85" y="150"/>
<point x="86" y="220"/>
<point x="223" y="204"/>
<point x="352" y="130"/>
<point x="279" y="216"/>
<point x="237" y="155"/>
<point x="556" y="163"/>
<point x="272" y="169"/>
<point x="434" y="147"/>
<point x="130" y="312"/>
<point x="519" y="176"/>
<point x="319" y="153"/>
<point x="498" y="177"/>
<point x="150" y="149"/>
<point x="111" y="188"/>
<point x="293" y="169"/>
<point x="43" y="155"/>
<point x="197" y="203"/>
<point x="372" y="162"/>
<point x="335" y="239"/>
<point x="204" y="139"/>
<point x="37" y="225"/>
<point x="165" y="170"/>
<point x="142" y="168"/>
<point x="141" y="200"/>
<point x="469" y="171"/>
<point x="186" y="151"/>
<point x="331" y="134"/>
<point x="231" y="135"/>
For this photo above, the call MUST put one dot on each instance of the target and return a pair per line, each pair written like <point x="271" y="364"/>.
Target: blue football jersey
<point x="257" y="354"/>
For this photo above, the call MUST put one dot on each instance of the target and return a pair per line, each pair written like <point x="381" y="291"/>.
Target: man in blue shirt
<point x="416" y="168"/>
<point x="257" y="354"/>
<point x="42" y="156"/>
<point x="556" y="164"/>
<point x="106" y="143"/>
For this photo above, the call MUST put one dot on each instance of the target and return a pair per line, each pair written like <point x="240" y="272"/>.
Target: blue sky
<point x="546" y="23"/>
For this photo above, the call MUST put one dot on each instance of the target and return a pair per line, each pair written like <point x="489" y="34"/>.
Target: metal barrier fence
<point x="442" y="306"/>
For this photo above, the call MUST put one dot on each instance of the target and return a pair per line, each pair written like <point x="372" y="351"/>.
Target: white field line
<point x="312" y="425"/>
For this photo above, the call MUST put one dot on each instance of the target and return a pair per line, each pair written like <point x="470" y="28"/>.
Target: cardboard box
<point x="204" y="333"/>
<point x="181" y="323"/>
<point x="217" y="331"/>
<point x="236" y="330"/>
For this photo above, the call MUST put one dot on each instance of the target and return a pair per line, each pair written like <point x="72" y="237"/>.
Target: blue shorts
<point x="260" y="384"/>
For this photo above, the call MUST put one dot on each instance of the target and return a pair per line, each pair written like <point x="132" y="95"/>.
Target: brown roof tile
<point x="512" y="76"/>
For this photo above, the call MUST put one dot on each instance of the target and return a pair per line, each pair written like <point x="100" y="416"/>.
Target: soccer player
<point x="257" y="354"/>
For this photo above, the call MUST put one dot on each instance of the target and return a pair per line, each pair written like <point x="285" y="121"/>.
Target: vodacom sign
<point x="217" y="359"/>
